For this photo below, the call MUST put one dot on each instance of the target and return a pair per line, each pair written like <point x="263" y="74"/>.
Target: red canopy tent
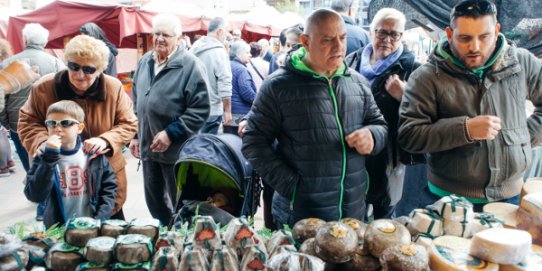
<point x="63" y="19"/>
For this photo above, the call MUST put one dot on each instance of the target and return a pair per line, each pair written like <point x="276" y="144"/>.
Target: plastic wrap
<point x="294" y="261"/>
<point x="133" y="248"/>
<point x="81" y="229"/>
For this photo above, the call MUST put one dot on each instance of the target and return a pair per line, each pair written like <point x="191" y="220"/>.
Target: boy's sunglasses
<point x="63" y="123"/>
<point x="482" y="7"/>
<point x="76" y="67"/>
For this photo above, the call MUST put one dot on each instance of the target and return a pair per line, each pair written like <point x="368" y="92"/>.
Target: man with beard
<point x="172" y="103"/>
<point x="466" y="109"/>
<point x="325" y="122"/>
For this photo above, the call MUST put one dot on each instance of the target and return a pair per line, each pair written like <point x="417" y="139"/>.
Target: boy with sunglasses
<point x="72" y="183"/>
<point x="466" y="109"/>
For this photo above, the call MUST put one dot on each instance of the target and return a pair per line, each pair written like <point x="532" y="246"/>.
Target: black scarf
<point x="64" y="90"/>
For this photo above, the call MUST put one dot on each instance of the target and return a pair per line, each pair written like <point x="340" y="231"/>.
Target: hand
<point x="53" y="142"/>
<point x="228" y="119"/>
<point x="483" y="127"/>
<point x="40" y="149"/>
<point x="160" y="142"/>
<point x="362" y="140"/>
<point x="94" y="145"/>
<point x="395" y="87"/>
<point x="134" y="148"/>
<point x="242" y="128"/>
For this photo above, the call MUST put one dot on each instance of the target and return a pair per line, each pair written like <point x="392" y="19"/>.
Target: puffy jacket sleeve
<point x="197" y="105"/>
<point x="125" y="123"/>
<point x="534" y="77"/>
<point x="420" y="128"/>
<point x="262" y="130"/>
<point x="108" y="190"/>
<point x="31" y="129"/>
<point x="40" y="179"/>
<point x="375" y="122"/>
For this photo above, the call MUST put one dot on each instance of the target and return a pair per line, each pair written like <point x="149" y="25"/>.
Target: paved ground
<point x="14" y="207"/>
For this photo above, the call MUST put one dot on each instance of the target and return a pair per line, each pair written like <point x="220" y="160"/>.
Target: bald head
<point x="320" y="17"/>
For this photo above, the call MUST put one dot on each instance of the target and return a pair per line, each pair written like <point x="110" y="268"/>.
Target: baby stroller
<point x="214" y="178"/>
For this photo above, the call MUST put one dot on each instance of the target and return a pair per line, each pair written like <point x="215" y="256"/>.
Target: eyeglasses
<point x="76" y="67"/>
<point x="383" y="34"/>
<point x="164" y="35"/>
<point x="473" y="8"/>
<point x="63" y="123"/>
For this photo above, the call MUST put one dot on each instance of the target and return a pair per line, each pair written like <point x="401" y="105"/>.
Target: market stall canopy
<point x="63" y="19"/>
<point x="3" y="25"/>
<point x="193" y="18"/>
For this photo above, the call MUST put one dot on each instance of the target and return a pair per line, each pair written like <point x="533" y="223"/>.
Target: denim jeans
<point x="21" y="151"/>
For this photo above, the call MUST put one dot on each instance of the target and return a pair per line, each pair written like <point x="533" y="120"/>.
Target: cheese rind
<point x="502" y="246"/>
<point x="505" y="212"/>
<point x="451" y="253"/>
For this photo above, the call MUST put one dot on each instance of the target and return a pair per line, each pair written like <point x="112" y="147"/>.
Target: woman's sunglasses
<point x="63" y="123"/>
<point x="76" y="67"/>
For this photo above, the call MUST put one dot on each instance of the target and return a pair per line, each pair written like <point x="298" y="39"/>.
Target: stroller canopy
<point x="214" y="162"/>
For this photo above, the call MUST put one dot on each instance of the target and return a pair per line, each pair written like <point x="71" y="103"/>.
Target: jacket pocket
<point x="516" y="152"/>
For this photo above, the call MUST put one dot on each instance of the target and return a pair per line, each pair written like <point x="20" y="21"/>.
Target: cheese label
<point x="462" y="259"/>
<point x="352" y="224"/>
<point x="408" y="250"/>
<point x="338" y="231"/>
<point x="313" y="220"/>
<point x="386" y="227"/>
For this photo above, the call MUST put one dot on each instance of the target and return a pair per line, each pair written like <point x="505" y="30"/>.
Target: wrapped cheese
<point x="279" y="238"/>
<point x="224" y="259"/>
<point x="307" y="228"/>
<point x="451" y="253"/>
<point x="145" y="266"/>
<point x="501" y="246"/>
<point x="88" y="266"/>
<point x="173" y="239"/>
<point x="255" y="259"/>
<point x="113" y="227"/>
<point x="309" y="247"/>
<point x="426" y="222"/>
<point x="15" y="261"/>
<point x="456" y="228"/>
<point x="63" y="257"/>
<point x="239" y="235"/>
<point x="454" y="208"/>
<point x="194" y="258"/>
<point x="483" y="221"/>
<point x="384" y="233"/>
<point x="357" y="226"/>
<point x="407" y="257"/>
<point x="293" y="261"/>
<point x="423" y="240"/>
<point x="133" y="248"/>
<point x="38" y="245"/>
<point x="206" y="234"/>
<point x="99" y="250"/>
<point x="336" y="242"/>
<point x="81" y="229"/>
<point x="146" y="226"/>
<point x="165" y="259"/>
<point x="504" y="212"/>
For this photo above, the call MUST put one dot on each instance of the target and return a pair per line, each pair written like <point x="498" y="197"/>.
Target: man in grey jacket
<point x="466" y="109"/>
<point x="171" y="103"/>
<point x="211" y="51"/>
<point x="325" y="122"/>
<point x="35" y="37"/>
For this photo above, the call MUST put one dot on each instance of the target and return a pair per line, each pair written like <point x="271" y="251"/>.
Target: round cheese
<point x="484" y="221"/>
<point x="502" y="246"/>
<point x="384" y="233"/>
<point x="505" y="212"/>
<point x="450" y="253"/>
<point x="532" y="185"/>
<point x="532" y="203"/>
<point x="426" y="222"/>
<point x="532" y="263"/>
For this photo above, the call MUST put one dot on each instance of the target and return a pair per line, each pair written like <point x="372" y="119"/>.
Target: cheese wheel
<point x="528" y="222"/>
<point x="306" y="228"/>
<point x="502" y="246"/>
<point x="459" y="229"/>
<point x="426" y="222"/>
<point x="532" y="203"/>
<point x="455" y="208"/>
<point x="409" y="257"/>
<point x="450" y="253"/>
<point x="505" y="212"/>
<point x="532" y="185"/>
<point x="533" y="262"/>
<point x="484" y="221"/>
<point x="423" y="240"/>
<point x="384" y="233"/>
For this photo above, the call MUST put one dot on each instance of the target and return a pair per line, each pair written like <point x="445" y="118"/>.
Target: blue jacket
<point x="243" y="88"/>
<point x="40" y="186"/>
<point x="356" y="37"/>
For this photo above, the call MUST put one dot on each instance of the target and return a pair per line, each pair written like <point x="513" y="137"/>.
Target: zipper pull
<point x="138" y="165"/>
<point x="291" y="206"/>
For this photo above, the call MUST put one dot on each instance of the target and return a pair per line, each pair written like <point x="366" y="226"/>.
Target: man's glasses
<point x="63" y="123"/>
<point x="474" y="7"/>
<point x="76" y="67"/>
<point x="164" y="35"/>
<point x="383" y="34"/>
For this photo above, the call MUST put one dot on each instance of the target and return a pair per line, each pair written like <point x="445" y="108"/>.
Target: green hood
<point x="296" y="59"/>
<point x="443" y="50"/>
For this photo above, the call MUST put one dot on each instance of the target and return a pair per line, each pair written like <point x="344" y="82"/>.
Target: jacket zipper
<point x="343" y="145"/>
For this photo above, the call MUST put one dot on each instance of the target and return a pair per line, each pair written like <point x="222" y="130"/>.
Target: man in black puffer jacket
<point x="325" y="121"/>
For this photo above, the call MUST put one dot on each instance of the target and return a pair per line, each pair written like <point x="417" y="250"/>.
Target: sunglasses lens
<point x="89" y="69"/>
<point x="63" y="123"/>
<point x="50" y="123"/>
<point x="73" y="66"/>
<point x="76" y="67"/>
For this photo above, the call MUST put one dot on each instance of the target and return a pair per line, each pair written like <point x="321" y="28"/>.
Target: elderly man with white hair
<point x="172" y="103"/>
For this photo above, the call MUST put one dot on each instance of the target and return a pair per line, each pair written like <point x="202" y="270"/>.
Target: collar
<point x="35" y="47"/>
<point x="298" y="64"/>
<point x="74" y="150"/>
<point x="348" y="20"/>
<point x="155" y="57"/>
<point x="64" y="90"/>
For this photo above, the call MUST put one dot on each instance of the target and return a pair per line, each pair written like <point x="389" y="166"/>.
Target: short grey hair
<point x="34" y="33"/>
<point x="238" y="48"/>
<point x="168" y="20"/>
<point x="341" y="5"/>
<point x="263" y="42"/>
<point x="216" y="24"/>
<point x="390" y="14"/>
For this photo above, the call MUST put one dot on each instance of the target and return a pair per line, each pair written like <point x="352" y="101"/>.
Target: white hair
<point x="168" y="20"/>
<point x="239" y="48"/>
<point x="390" y="14"/>
<point x="35" y="34"/>
<point x="263" y="42"/>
